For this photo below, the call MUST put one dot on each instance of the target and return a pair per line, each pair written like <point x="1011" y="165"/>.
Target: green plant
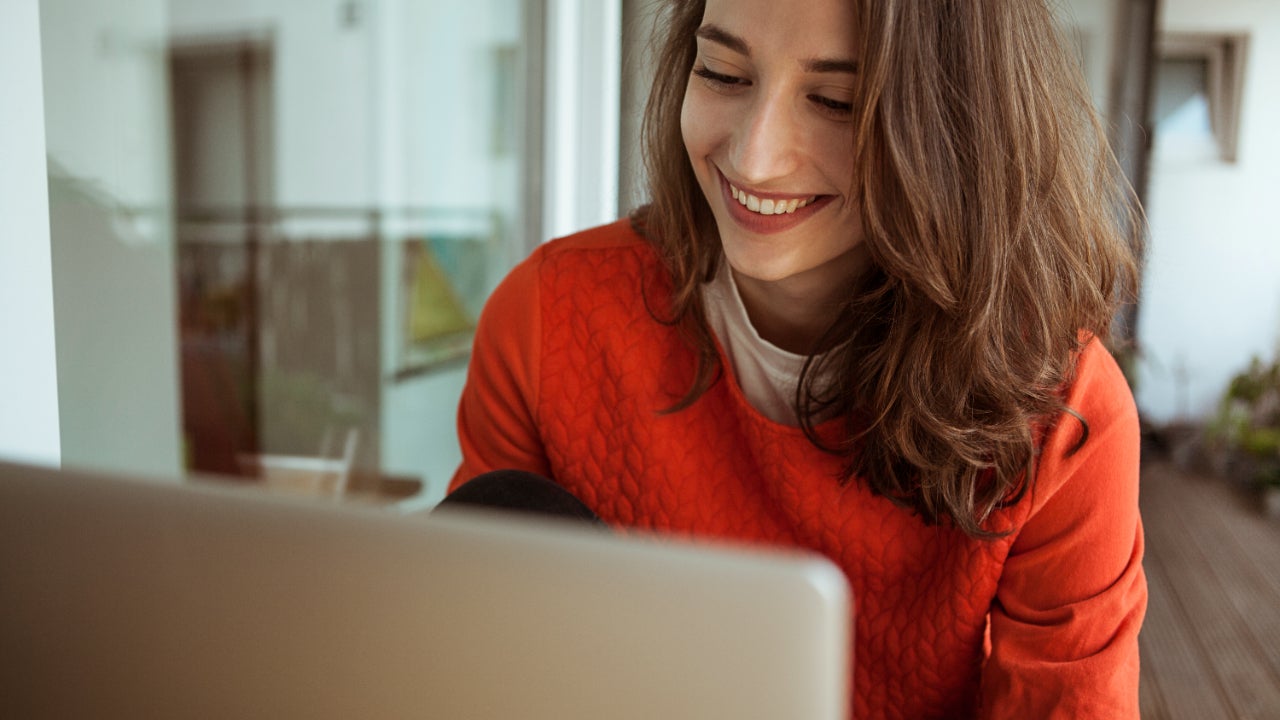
<point x="1248" y="420"/>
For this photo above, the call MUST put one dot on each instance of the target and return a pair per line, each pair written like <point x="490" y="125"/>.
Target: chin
<point x="763" y="269"/>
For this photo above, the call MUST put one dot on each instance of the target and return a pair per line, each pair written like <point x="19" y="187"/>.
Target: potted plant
<point x="1246" y="431"/>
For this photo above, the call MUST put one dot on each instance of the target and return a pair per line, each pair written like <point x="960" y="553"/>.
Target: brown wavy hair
<point x="1001" y="232"/>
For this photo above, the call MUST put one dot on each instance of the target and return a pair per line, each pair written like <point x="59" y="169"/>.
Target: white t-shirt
<point x="767" y="373"/>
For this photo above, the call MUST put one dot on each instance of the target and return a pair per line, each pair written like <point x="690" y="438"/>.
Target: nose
<point x="767" y="143"/>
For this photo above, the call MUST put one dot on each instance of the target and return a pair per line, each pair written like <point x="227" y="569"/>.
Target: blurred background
<point x="251" y="238"/>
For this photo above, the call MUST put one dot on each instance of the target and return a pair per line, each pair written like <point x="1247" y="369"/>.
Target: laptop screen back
<point x="127" y="598"/>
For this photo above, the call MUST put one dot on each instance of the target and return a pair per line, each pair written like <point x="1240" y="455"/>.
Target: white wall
<point x="109" y="185"/>
<point x="1211" y="294"/>
<point x="28" y="366"/>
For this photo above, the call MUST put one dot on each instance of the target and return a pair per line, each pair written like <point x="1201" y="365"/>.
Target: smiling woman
<point x="766" y="124"/>
<point x="863" y="314"/>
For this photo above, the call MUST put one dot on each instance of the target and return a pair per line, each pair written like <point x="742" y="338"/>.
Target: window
<point x="273" y="224"/>
<point x="1199" y="84"/>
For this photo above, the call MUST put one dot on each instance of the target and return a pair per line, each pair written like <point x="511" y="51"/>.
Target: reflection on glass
<point x="274" y="224"/>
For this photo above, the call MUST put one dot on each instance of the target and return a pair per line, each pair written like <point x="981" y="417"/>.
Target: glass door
<point x="274" y="224"/>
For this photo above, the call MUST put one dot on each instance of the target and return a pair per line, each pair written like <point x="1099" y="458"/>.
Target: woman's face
<point x="767" y="123"/>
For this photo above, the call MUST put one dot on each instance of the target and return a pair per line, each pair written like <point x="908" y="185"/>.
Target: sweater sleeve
<point x="497" y="427"/>
<point x="1064" y="624"/>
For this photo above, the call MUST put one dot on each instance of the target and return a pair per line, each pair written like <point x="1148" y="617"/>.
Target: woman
<point x="863" y="315"/>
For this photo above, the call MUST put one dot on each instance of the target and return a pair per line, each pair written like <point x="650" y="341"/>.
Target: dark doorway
<point x="223" y="151"/>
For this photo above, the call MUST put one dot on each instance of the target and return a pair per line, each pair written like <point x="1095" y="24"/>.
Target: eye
<point x="719" y="81"/>
<point x="836" y="108"/>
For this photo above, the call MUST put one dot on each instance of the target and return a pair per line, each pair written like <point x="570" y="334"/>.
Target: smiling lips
<point x="769" y="206"/>
<point x="770" y="214"/>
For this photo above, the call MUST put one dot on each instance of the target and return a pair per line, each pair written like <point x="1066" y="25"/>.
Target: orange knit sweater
<point x="570" y="374"/>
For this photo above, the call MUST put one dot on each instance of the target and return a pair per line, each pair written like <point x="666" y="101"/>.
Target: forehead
<point x="799" y="28"/>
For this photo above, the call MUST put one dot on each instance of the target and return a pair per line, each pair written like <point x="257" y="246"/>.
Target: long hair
<point x="1001" y="233"/>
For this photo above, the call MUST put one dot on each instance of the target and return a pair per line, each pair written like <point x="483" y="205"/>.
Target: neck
<point x="794" y="312"/>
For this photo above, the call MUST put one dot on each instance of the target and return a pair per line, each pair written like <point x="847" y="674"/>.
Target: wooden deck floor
<point x="1211" y="641"/>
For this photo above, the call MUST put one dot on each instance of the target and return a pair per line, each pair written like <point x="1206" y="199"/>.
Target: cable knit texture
<point x="571" y="374"/>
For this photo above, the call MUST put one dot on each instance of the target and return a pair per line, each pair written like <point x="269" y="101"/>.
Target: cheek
<point x="701" y="121"/>
<point x="689" y="124"/>
<point x="835" y="153"/>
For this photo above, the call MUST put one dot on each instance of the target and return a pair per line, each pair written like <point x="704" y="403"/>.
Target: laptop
<point x="132" y="598"/>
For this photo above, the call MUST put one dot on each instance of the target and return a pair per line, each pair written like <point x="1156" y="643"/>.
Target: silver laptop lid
<point x="128" y="599"/>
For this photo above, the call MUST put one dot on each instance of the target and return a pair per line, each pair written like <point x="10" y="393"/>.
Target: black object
<point x="520" y="491"/>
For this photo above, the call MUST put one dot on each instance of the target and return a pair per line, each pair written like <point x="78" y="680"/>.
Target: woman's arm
<point x="497" y="416"/>
<point x="1064" y="626"/>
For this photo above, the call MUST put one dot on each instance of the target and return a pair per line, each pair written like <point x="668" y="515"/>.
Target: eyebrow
<point x="717" y="34"/>
<point x="720" y="36"/>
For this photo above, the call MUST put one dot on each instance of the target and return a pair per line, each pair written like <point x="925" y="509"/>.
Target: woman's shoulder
<point x="613" y="244"/>
<point x="608" y="259"/>
<point x="1097" y="436"/>
<point x="579" y="270"/>
<point x="1099" y="390"/>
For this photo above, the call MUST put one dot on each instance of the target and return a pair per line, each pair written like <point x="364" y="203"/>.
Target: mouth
<point x="766" y="213"/>
<point x="769" y="205"/>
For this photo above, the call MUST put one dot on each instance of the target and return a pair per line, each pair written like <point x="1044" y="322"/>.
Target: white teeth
<point x="769" y="206"/>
